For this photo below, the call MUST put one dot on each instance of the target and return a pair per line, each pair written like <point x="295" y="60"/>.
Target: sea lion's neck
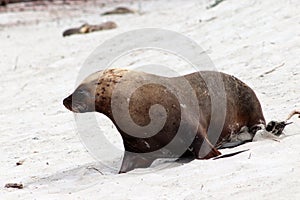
<point x="104" y="90"/>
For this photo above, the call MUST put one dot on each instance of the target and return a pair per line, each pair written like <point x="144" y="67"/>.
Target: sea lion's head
<point x="82" y="100"/>
<point x="94" y="93"/>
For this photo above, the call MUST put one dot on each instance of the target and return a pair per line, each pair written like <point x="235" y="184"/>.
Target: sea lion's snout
<point x="68" y="102"/>
<point x="79" y="101"/>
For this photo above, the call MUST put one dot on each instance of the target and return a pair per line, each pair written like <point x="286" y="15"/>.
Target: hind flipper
<point x="134" y="160"/>
<point x="276" y="128"/>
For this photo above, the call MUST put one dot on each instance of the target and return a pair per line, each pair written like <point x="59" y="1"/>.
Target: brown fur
<point x="87" y="28"/>
<point x="243" y="109"/>
<point x="4" y="2"/>
<point x="118" y="11"/>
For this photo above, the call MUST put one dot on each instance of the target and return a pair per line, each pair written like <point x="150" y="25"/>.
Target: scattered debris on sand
<point x="87" y="28"/>
<point x="20" y="162"/>
<point x="272" y="70"/>
<point x="14" y="185"/>
<point x="217" y="2"/>
<point x="294" y="112"/>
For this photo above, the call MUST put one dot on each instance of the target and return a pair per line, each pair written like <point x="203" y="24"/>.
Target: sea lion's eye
<point x="80" y="91"/>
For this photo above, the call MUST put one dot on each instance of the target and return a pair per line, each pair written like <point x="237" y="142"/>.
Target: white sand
<point x="39" y="68"/>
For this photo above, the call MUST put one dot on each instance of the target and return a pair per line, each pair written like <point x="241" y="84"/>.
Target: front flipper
<point x="134" y="160"/>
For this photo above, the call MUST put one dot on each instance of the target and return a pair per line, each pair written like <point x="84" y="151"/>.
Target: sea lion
<point x="87" y="28"/>
<point x="4" y="2"/>
<point x="118" y="11"/>
<point x="243" y="112"/>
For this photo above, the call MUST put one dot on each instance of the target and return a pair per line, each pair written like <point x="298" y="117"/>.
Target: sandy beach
<point x="256" y="41"/>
